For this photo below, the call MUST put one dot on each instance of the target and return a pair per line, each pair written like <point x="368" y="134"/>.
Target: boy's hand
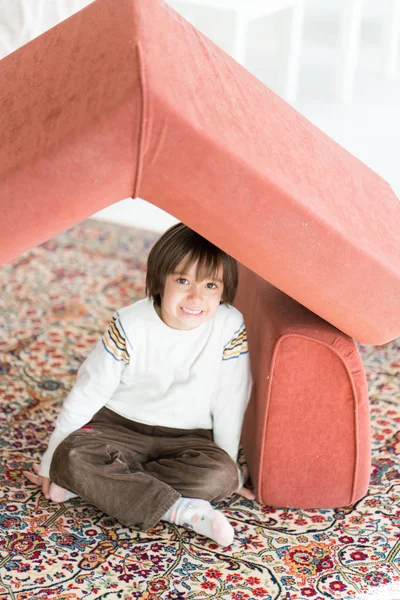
<point x="246" y="493"/>
<point x="243" y="491"/>
<point x="43" y="482"/>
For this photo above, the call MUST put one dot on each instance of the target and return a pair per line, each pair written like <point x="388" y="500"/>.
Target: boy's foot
<point x="59" y="494"/>
<point x="201" y="517"/>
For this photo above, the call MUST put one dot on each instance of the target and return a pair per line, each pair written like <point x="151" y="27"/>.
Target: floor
<point x="56" y="302"/>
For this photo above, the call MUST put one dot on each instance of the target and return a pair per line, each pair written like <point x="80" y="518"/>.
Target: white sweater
<point x="151" y="373"/>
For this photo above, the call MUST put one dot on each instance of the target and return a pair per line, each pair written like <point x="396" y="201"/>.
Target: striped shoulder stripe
<point x="237" y="345"/>
<point x="114" y="342"/>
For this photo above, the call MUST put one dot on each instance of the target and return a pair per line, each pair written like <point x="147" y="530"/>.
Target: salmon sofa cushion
<point x="306" y="435"/>
<point x="128" y="99"/>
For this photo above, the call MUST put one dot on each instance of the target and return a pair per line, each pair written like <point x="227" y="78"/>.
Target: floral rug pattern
<point x="55" y="302"/>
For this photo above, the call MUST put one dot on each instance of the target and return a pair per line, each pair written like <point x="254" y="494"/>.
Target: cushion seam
<point x="142" y="120"/>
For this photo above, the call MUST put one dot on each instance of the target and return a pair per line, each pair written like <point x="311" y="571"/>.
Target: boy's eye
<point x="211" y="286"/>
<point x="182" y="280"/>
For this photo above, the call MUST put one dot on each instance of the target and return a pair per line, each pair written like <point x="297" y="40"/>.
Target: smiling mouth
<point x="192" y="312"/>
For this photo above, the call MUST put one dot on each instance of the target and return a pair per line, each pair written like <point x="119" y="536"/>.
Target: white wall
<point x="368" y="126"/>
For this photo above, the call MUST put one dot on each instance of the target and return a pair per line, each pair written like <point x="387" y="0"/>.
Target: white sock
<point x="59" y="494"/>
<point x="200" y="516"/>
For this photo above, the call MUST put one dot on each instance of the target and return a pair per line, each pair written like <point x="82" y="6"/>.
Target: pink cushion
<point x="306" y="434"/>
<point x="127" y="98"/>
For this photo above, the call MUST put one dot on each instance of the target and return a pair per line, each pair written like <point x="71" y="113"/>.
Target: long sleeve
<point x="97" y="379"/>
<point x="233" y="393"/>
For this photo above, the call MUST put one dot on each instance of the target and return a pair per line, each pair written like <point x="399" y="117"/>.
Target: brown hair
<point x="180" y="242"/>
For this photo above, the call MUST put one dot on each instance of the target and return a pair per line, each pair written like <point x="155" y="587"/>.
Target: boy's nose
<point x="195" y="294"/>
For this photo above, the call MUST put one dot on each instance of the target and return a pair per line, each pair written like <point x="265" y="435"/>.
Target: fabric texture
<point x="135" y="472"/>
<point x="154" y="374"/>
<point x="129" y="99"/>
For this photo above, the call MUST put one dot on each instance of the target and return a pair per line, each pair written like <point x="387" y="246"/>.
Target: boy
<point x="152" y="425"/>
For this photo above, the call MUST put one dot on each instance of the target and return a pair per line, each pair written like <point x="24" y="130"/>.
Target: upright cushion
<point x="128" y="99"/>
<point x="306" y="434"/>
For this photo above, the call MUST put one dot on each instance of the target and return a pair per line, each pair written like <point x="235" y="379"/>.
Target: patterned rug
<point x="55" y="302"/>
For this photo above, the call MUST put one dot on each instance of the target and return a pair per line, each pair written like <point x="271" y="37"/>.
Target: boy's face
<point x="188" y="303"/>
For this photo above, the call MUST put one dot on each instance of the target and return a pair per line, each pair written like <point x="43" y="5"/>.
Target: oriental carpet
<point x="56" y="301"/>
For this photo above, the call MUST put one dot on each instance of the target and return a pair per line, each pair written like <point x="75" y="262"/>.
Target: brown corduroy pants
<point x="135" y="472"/>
